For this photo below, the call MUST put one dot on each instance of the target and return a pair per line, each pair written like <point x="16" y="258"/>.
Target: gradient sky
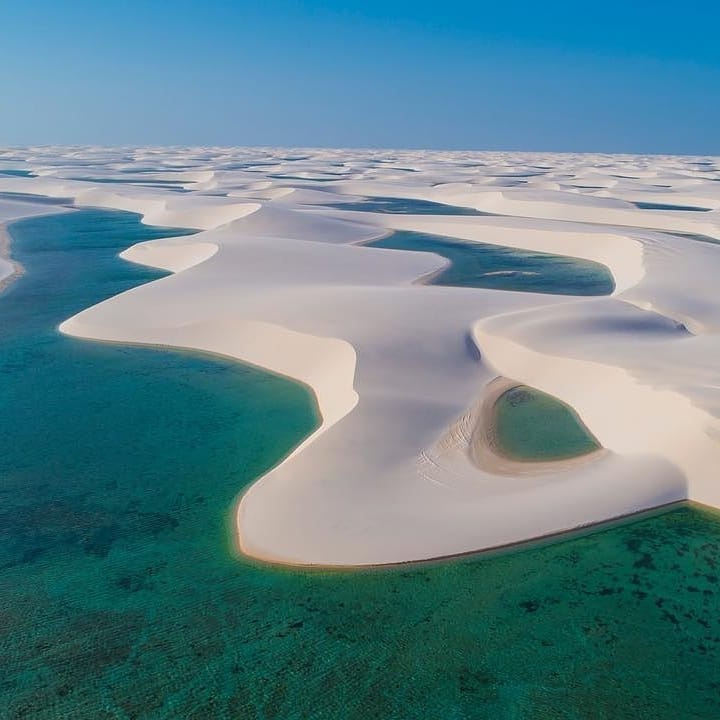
<point x="604" y="76"/>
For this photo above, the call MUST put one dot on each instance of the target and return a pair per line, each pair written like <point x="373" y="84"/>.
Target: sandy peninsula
<point x="8" y="268"/>
<point x="279" y="277"/>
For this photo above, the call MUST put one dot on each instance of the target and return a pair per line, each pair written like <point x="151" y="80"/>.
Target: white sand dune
<point x="279" y="277"/>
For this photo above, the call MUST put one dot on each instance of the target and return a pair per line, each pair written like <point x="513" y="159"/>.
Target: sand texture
<point x="280" y="278"/>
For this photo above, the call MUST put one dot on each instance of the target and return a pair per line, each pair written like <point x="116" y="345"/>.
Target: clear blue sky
<point x="600" y="75"/>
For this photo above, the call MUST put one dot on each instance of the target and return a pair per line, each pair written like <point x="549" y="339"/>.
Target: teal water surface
<point x="121" y="597"/>
<point x="497" y="267"/>
<point x="534" y="426"/>
<point x="664" y="206"/>
<point x="406" y="206"/>
<point x="12" y="172"/>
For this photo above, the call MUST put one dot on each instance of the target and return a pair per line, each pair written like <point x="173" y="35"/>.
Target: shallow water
<point x="120" y="596"/>
<point x="663" y="206"/>
<point x="12" y="172"/>
<point x="532" y="425"/>
<point x="406" y="206"/>
<point x="496" y="267"/>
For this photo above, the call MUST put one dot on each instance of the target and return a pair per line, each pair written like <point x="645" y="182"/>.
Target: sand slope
<point x="278" y="278"/>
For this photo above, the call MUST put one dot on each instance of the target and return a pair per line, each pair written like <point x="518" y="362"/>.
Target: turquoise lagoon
<point x="121" y="595"/>
<point x="665" y="206"/>
<point x="482" y="265"/>
<point x="12" y="172"/>
<point x="406" y="206"/>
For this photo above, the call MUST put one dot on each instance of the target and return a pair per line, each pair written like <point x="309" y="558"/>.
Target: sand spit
<point x="11" y="210"/>
<point x="278" y="277"/>
<point x="9" y="269"/>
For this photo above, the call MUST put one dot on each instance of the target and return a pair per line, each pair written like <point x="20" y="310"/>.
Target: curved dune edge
<point x="171" y="256"/>
<point x="627" y="417"/>
<point x="628" y="268"/>
<point x="667" y="493"/>
<point x="325" y="365"/>
<point x="646" y="498"/>
<point x="11" y="269"/>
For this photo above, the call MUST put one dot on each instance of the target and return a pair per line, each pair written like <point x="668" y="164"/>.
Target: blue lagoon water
<point x="664" y="206"/>
<point x="482" y="265"/>
<point x="406" y="206"/>
<point x="121" y="596"/>
<point x="13" y="172"/>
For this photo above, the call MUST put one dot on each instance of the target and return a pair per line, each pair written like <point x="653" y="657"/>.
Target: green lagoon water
<point x="121" y="597"/>
<point x="482" y="265"/>
<point x="534" y="426"/>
